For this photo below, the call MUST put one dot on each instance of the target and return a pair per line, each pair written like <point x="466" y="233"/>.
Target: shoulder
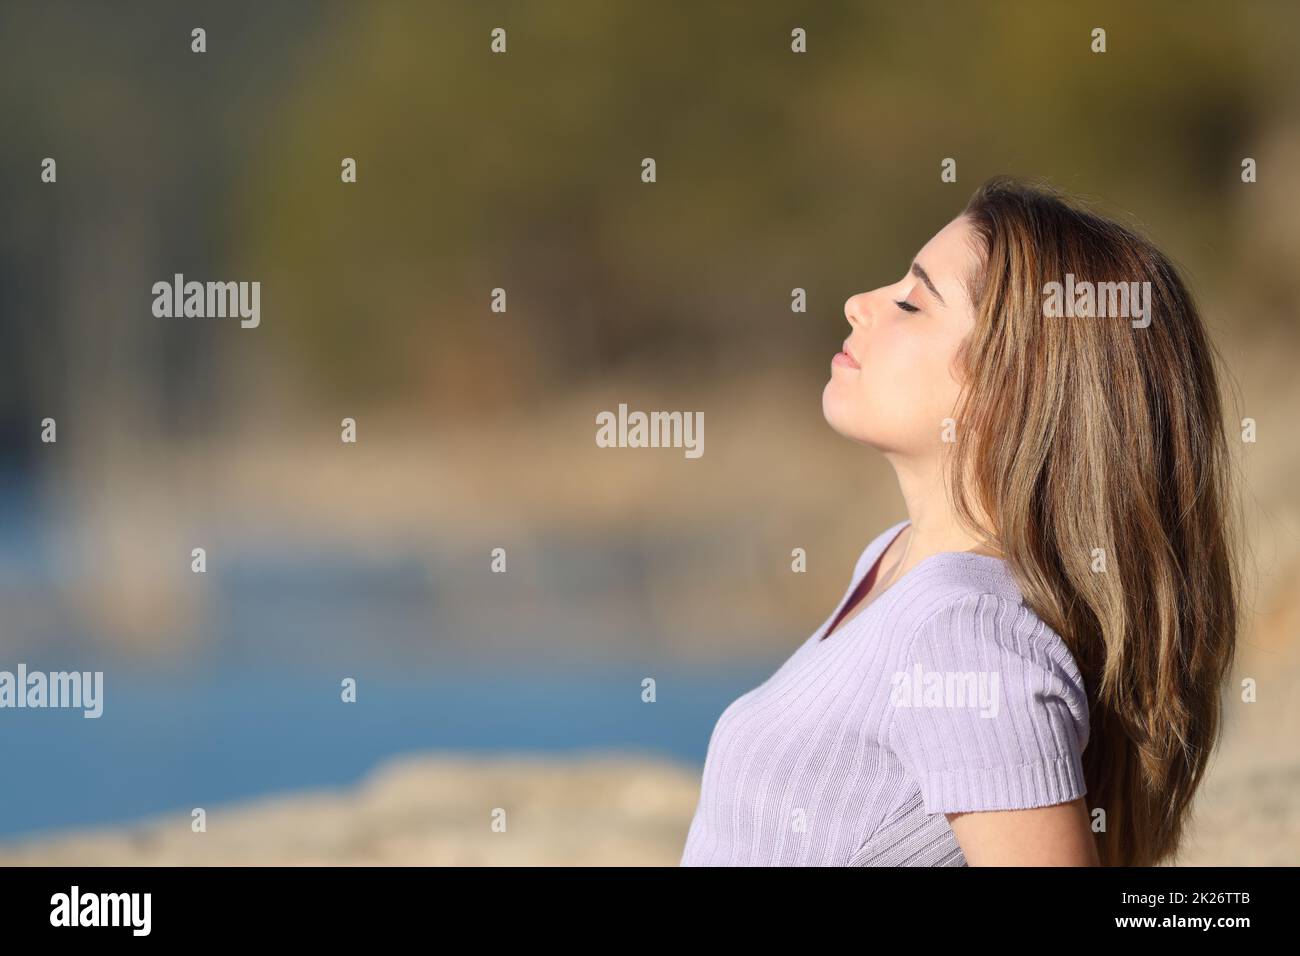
<point x="972" y="620"/>
<point x="988" y="707"/>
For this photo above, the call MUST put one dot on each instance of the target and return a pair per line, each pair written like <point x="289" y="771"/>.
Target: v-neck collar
<point x="868" y="579"/>
<point x="823" y="636"/>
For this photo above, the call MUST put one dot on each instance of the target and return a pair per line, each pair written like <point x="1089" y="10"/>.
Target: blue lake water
<point x="252" y="706"/>
<point x="169" y="742"/>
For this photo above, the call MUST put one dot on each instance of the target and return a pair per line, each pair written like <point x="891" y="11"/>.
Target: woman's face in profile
<point x="903" y="340"/>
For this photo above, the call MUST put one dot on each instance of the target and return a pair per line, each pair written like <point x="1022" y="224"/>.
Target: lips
<point x="846" y="359"/>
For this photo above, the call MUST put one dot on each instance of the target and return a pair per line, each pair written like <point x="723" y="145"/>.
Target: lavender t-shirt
<point x="945" y="694"/>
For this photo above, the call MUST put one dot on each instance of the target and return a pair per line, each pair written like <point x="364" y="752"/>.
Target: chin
<point x="847" y="419"/>
<point x="836" y="412"/>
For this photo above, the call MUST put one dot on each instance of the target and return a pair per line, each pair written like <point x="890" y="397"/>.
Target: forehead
<point x="949" y="256"/>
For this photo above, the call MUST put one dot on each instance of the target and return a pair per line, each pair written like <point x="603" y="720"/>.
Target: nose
<point x="855" y="310"/>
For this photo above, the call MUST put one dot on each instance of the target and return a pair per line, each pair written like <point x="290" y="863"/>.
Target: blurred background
<point x="475" y="428"/>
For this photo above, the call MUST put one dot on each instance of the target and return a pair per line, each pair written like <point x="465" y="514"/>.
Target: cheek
<point x="908" y="369"/>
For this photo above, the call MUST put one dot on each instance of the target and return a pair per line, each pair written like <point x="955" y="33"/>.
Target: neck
<point x="933" y="526"/>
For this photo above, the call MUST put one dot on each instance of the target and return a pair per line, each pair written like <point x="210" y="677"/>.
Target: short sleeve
<point x="989" y="711"/>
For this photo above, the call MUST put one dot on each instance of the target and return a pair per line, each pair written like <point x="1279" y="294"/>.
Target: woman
<point x="1027" y="670"/>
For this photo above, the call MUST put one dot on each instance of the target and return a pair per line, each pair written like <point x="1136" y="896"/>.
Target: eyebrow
<point x="925" y="277"/>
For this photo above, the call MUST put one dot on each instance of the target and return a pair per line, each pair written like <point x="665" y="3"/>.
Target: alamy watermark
<point x="35" y="689"/>
<point x="946" y="689"/>
<point x="1121" y="300"/>
<point x="208" y="300"/>
<point x="75" y="908"/>
<point x="651" y="430"/>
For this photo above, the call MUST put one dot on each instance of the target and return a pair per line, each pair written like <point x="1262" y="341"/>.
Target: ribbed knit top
<point x="945" y="694"/>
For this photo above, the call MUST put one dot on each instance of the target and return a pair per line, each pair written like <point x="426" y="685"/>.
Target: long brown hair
<point x="1097" y="451"/>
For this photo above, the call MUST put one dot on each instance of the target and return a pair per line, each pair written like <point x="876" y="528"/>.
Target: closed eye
<point x="907" y="306"/>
